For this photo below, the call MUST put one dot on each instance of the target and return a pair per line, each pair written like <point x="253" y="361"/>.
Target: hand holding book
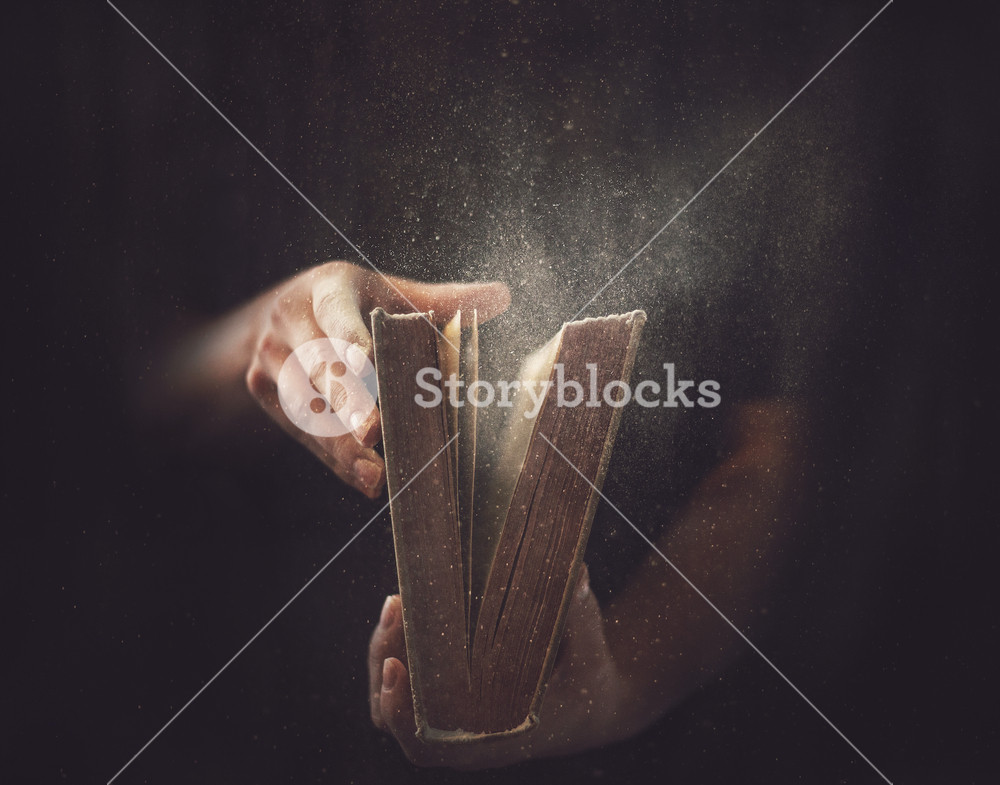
<point x="489" y="536"/>
<point x="585" y="700"/>
<point x="621" y="668"/>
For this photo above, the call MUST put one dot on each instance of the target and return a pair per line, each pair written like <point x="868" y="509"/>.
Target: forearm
<point x="729" y="542"/>
<point x="202" y="376"/>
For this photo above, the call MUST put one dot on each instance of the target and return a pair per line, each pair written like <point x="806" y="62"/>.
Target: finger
<point x="337" y="314"/>
<point x="349" y="395"/>
<point x="391" y="698"/>
<point x="387" y="641"/>
<point x="396" y="712"/>
<point x="359" y="466"/>
<point x="397" y="709"/>
<point x="401" y="295"/>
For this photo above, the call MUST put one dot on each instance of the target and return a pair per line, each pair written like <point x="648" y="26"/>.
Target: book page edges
<point x="535" y="367"/>
<point x="468" y="426"/>
<point x="637" y="319"/>
<point x="435" y="736"/>
<point x="509" y="455"/>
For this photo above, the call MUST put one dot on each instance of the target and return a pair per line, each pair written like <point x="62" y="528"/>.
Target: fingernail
<point x="368" y="472"/>
<point x="363" y="424"/>
<point x="388" y="676"/>
<point x="387" y="617"/>
<point x="357" y="360"/>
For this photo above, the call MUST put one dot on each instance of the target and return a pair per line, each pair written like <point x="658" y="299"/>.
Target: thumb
<point x="396" y="702"/>
<point x="402" y="296"/>
<point x="583" y="641"/>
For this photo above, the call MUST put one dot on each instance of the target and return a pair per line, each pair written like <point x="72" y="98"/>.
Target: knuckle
<point x="335" y="268"/>
<point x="289" y="304"/>
<point x="329" y="305"/>
<point x="268" y="346"/>
<point x="341" y="273"/>
<point x="257" y="380"/>
<point x="284" y="309"/>
<point x="344" y="450"/>
<point x="277" y="315"/>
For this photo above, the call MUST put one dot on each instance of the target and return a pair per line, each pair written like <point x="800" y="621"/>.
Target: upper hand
<point x="333" y="300"/>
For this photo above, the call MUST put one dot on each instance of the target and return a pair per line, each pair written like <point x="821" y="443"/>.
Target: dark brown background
<point x="848" y="258"/>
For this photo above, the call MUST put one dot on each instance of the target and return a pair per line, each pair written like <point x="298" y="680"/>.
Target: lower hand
<point x="583" y="707"/>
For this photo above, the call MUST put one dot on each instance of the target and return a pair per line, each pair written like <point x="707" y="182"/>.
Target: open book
<point x="489" y="537"/>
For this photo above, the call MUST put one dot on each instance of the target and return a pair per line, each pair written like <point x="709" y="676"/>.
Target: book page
<point x="500" y="461"/>
<point x="541" y="542"/>
<point x="468" y="371"/>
